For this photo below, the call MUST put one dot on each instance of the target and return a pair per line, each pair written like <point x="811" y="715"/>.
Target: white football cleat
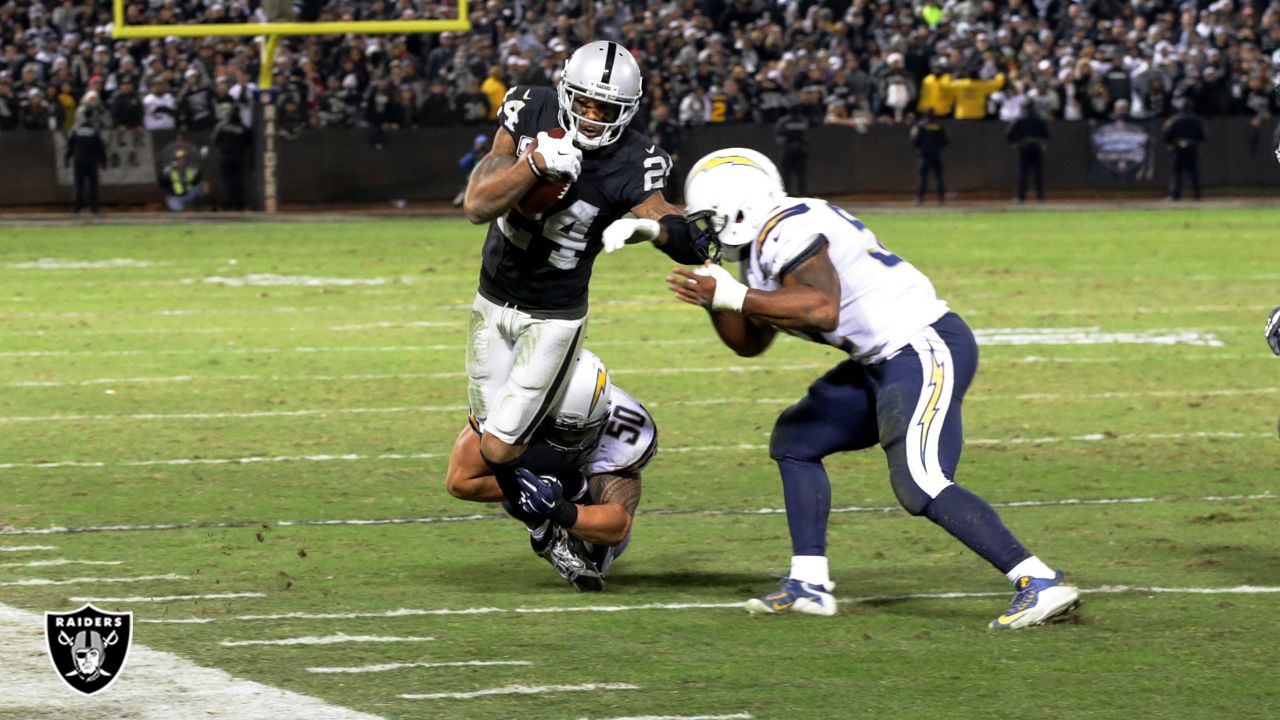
<point x="795" y="596"/>
<point x="1039" y="601"/>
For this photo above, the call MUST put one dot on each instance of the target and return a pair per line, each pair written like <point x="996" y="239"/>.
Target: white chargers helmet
<point x="728" y="195"/>
<point x="574" y="424"/>
<point x="603" y="71"/>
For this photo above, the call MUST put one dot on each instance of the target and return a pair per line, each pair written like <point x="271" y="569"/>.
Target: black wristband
<point x="679" y="244"/>
<point x="534" y="166"/>
<point x="564" y="514"/>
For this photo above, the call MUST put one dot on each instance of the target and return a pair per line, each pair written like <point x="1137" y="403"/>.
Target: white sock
<point x="539" y="531"/>
<point x="1032" y="566"/>
<point x="811" y="569"/>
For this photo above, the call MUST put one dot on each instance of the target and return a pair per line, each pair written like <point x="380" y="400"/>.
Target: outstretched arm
<point x="809" y="301"/>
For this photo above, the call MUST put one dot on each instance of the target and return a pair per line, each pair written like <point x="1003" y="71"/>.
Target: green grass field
<point x="203" y="384"/>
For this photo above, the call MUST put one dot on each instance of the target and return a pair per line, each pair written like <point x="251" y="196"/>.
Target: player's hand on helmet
<point x="710" y="286"/>
<point x="559" y="157"/>
<point x="539" y="494"/>
<point x="629" y="230"/>
<point x="1272" y="331"/>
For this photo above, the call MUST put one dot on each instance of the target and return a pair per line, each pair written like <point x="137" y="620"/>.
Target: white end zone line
<point x="357" y="457"/>
<point x="165" y="598"/>
<point x="400" y="666"/>
<point x="327" y="640"/>
<point x="156" y="686"/>
<point x="520" y="690"/>
<point x="32" y="582"/>
<point x="431" y="519"/>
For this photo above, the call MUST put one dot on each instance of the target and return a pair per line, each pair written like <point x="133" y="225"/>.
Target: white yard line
<point x="357" y="457"/>
<point x="432" y="519"/>
<point x="384" y="667"/>
<point x="153" y="686"/>
<point x="320" y="412"/>
<point x="60" y="561"/>
<point x="57" y="264"/>
<point x="520" y="690"/>
<point x="33" y="582"/>
<point x="327" y="640"/>
<point x="731" y="716"/>
<point x="27" y="548"/>
<point x="175" y="621"/>
<point x="166" y="598"/>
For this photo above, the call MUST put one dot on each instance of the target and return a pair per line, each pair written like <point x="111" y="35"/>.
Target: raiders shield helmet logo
<point x="88" y="647"/>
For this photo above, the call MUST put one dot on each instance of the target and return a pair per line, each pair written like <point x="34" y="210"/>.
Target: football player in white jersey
<point x="579" y="523"/>
<point x="811" y="270"/>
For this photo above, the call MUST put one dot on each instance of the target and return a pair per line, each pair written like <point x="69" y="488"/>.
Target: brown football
<point x="547" y="191"/>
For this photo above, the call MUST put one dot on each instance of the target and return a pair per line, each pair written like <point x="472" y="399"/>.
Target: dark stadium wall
<point x="341" y="167"/>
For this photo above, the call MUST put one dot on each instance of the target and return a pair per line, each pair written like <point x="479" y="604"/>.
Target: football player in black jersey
<point x="529" y="315"/>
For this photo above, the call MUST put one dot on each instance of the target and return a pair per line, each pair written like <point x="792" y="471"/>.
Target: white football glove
<point x="629" y="230"/>
<point x="560" y="156"/>
<point x="730" y="294"/>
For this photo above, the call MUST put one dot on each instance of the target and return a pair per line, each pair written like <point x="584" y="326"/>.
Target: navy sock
<point x="976" y="524"/>
<point x="807" y="492"/>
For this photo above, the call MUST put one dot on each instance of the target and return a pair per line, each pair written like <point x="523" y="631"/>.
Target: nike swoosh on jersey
<point x="652" y="148"/>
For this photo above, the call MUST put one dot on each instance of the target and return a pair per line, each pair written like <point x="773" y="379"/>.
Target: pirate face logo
<point x="88" y="647"/>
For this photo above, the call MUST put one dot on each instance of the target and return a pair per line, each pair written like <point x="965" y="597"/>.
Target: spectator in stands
<point x="36" y="114"/>
<point x="935" y="90"/>
<point x="473" y="105"/>
<point x="159" y="110"/>
<point x="436" y="110"/>
<point x="1029" y="134"/>
<point x="126" y="107"/>
<point x="1182" y="134"/>
<point x="181" y="182"/>
<point x="10" y="108"/>
<point x="467" y="163"/>
<point x="929" y="137"/>
<point x="494" y="88"/>
<point x="971" y="94"/>
<point x="195" y="103"/>
<point x="379" y="111"/>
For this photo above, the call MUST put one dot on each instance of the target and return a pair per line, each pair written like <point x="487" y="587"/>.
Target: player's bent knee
<point x="790" y="440"/>
<point x="910" y="495"/>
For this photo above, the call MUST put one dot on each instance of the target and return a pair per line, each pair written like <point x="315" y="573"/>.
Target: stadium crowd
<point x="706" y="61"/>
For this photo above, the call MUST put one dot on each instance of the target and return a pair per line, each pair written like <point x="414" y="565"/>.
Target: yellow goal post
<point x="271" y="32"/>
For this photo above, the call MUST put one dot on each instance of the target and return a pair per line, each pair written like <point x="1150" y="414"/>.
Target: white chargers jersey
<point x="628" y="443"/>
<point x="630" y="438"/>
<point x="884" y="300"/>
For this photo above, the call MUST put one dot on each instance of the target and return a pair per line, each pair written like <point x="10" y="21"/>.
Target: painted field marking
<point x="56" y="264"/>
<point x="60" y="561"/>
<point x="520" y="690"/>
<point x="731" y="716"/>
<point x="175" y="621"/>
<point x="27" y="548"/>
<point x="155" y="686"/>
<point x="166" y="598"/>
<point x="430" y="519"/>
<point x="737" y="604"/>
<point x="320" y="412"/>
<point x="400" y="666"/>
<point x="86" y="580"/>
<point x="357" y="457"/>
<point x="326" y="640"/>
<point x="165" y="332"/>
<point x="273" y="280"/>
<point x="998" y="336"/>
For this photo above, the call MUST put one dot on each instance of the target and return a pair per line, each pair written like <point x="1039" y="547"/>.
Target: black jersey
<point x="542" y="265"/>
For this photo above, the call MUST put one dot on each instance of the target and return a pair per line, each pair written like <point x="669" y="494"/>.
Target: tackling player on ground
<point x="578" y="524"/>
<point x="529" y="315"/>
<point x="813" y="271"/>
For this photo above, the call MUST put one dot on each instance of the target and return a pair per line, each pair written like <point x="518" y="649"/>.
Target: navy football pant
<point x="910" y="406"/>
